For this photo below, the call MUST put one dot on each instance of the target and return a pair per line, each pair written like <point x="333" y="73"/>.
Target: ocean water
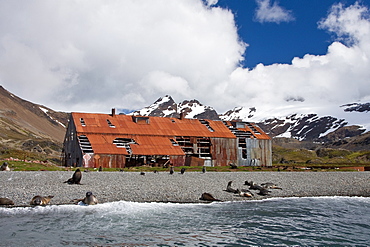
<point x="317" y="221"/>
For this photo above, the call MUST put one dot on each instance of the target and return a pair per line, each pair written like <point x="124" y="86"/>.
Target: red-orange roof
<point x="157" y="126"/>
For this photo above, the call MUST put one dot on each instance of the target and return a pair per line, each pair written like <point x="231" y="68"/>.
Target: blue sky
<point x="280" y="40"/>
<point x="278" y="56"/>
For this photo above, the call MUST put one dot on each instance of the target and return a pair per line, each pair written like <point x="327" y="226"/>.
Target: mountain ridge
<point x="306" y="127"/>
<point x="28" y="125"/>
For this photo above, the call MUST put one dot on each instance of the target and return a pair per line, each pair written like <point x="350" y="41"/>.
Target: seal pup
<point x="171" y="170"/>
<point x="269" y="185"/>
<point x="40" y="200"/>
<point x="208" y="197"/>
<point x="90" y="199"/>
<point x="230" y="189"/>
<point x="182" y="170"/>
<point x="5" y="167"/>
<point x="142" y="173"/>
<point x="204" y="169"/>
<point x="244" y="193"/>
<point x="76" y="177"/>
<point x="6" y="201"/>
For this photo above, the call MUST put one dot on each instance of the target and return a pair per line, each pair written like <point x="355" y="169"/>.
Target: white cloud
<point x="75" y="55"/>
<point x="94" y="55"/>
<point x="272" y="12"/>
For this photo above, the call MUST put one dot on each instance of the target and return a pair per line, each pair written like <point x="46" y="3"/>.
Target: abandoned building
<point x="118" y="141"/>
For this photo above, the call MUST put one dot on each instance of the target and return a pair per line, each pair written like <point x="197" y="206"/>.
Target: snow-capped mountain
<point x="167" y="107"/>
<point x="326" y="124"/>
<point x="304" y="123"/>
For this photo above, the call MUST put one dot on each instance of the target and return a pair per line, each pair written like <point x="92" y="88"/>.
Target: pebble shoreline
<point x="178" y="188"/>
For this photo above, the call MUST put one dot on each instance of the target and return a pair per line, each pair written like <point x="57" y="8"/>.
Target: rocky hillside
<point x="30" y="126"/>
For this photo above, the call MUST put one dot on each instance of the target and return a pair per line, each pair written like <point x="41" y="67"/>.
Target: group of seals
<point x="38" y="200"/>
<point x="263" y="188"/>
<point x="240" y="192"/>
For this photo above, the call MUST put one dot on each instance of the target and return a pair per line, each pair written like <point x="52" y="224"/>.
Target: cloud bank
<point x="94" y="55"/>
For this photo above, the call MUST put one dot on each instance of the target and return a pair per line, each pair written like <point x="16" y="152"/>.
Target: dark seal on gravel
<point x="76" y="178"/>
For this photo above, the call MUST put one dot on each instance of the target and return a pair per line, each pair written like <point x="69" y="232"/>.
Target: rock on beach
<point x="21" y="186"/>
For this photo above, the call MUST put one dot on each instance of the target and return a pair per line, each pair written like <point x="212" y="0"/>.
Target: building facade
<point x="118" y="141"/>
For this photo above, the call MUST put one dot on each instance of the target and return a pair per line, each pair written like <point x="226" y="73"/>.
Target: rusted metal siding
<point x="224" y="151"/>
<point x="177" y="160"/>
<point x="259" y="153"/>
<point x="73" y="155"/>
<point x="108" y="161"/>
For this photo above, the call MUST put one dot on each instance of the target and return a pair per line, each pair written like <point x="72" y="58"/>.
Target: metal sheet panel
<point x="97" y="123"/>
<point x="224" y="151"/>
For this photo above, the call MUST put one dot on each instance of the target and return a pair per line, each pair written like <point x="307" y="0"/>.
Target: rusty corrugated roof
<point x="157" y="126"/>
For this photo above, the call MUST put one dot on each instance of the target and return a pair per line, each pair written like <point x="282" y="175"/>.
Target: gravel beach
<point x="180" y="188"/>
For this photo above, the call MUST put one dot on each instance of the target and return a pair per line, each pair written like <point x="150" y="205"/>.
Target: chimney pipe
<point x="182" y="115"/>
<point x="113" y="112"/>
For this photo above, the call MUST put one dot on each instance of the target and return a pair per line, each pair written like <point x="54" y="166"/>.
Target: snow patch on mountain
<point x="46" y="113"/>
<point x="166" y="107"/>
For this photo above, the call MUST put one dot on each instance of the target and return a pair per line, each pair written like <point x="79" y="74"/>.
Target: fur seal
<point x="142" y="173"/>
<point x="90" y="199"/>
<point x="182" y="170"/>
<point x="264" y="192"/>
<point x="230" y="189"/>
<point x="40" y="200"/>
<point x="6" y="201"/>
<point x="248" y="183"/>
<point x="5" y="167"/>
<point x="270" y="186"/>
<point x="76" y="178"/>
<point x="204" y="169"/>
<point x="208" y="197"/>
<point x="244" y="193"/>
<point x="171" y="170"/>
<point x="254" y="186"/>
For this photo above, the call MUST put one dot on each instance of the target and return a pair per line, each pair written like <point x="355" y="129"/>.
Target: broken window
<point x="140" y="119"/>
<point x="242" y="144"/>
<point x="204" y="147"/>
<point x="85" y="144"/>
<point x="253" y="129"/>
<point x="206" y="123"/>
<point x="110" y="124"/>
<point x="82" y="121"/>
<point x="124" y="143"/>
<point x="185" y="143"/>
<point x="174" y="143"/>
